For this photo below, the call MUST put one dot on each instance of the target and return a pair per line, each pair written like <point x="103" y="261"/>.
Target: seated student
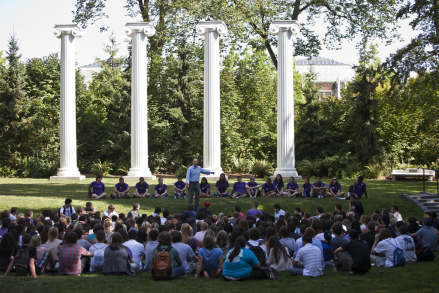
<point x="121" y="190"/>
<point x="279" y="185"/>
<point x="67" y="210"/>
<point x="254" y="209"/>
<point x="205" y="209"/>
<point x="204" y="188"/>
<point x="397" y="215"/>
<point x="149" y="247"/>
<point x="358" y="188"/>
<point x="286" y="240"/>
<point x="161" y="190"/>
<point x="238" y="189"/>
<point x="241" y="263"/>
<point x="200" y="234"/>
<point x="165" y="240"/>
<point x="22" y="269"/>
<point x="337" y="240"/>
<point x="308" y="260"/>
<point x="406" y="243"/>
<point x="278" y="256"/>
<point x="111" y="211"/>
<point x="222" y="187"/>
<point x="354" y="255"/>
<point x="278" y="212"/>
<point x="136" y="248"/>
<point x="44" y="256"/>
<point x="306" y="189"/>
<point x="356" y="207"/>
<point x="369" y="236"/>
<point x="134" y="213"/>
<point x="319" y="188"/>
<point x="141" y="189"/>
<point x="428" y="234"/>
<point x="338" y="211"/>
<point x="89" y="209"/>
<point x="179" y="188"/>
<point x="190" y="213"/>
<point x="118" y="259"/>
<point x="384" y="245"/>
<point x="252" y="188"/>
<point x="292" y="188"/>
<point x="335" y="189"/>
<point x="210" y="259"/>
<point x="98" y="188"/>
<point x="70" y="256"/>
<point x="13" y="214"/>
<point x="98" y="251"/>
<point x="8" y="249"/>
<point x="185" y="252"/>
<point x="268" y="189"/>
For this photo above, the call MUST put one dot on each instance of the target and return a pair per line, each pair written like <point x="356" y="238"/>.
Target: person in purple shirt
<point x="268" y="189"/>
<point x="335" y="189"/>
<point x="254" y="210"/>
<point x="179" y="188"/>
<point x="359" y="187"/>
<point x="142" y="189"/>
<point x="306" y="189"/>
<point x="319" y="188"/>
<point x="222" y="186"/>
<point x="204" y="188"/>
<point x="98" y="188"/>
<point x="252" y="187"/>
<point x="292" y="188"/>
<point x="239" y="189"/>
<point x="161" y="190"/>
<point x="121" y="190"/>
<point x="279" y="185"/>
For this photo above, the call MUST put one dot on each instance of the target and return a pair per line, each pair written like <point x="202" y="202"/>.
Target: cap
<point x="207" y="204"/>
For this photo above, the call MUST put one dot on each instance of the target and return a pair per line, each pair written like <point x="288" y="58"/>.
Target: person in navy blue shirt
<point x="268" y="189"/>
<point x="98" y="188"/>
<point x="359" y="187"/>
<point x="179" y="188"/>
<point x="335" y="189"/>
<point x="292" y="188"/>
<point x="204" y="188"/>
<point x="279" y="185"/>
<point x="319" y="187"/>
<point x="252" y="188"/>
<point x="121" y="190"/>
<point x="222" y="186"/>
<point x="142" y="189"/>
<point x="306" y="189"/>
<point x="161" y="190"/>
<point x="239" y="188"/>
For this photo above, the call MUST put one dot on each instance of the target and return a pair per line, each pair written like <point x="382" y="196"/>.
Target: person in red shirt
<point x="69" y="254"/>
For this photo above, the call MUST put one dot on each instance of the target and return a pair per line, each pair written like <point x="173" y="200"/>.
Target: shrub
<point x="261" y="168"/>
<point x="311" y="168"/>
<point x="181" y="171"/>
<point x="373" y="171"/>
<point x="102" y="168"/>
<point x="242" y="165"/>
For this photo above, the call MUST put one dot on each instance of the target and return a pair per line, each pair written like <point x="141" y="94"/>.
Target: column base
<point x="68" y="174"/>
<point x="71" y="178"/>
<point x="136" y="178"/>
<point x="286" y="173"/>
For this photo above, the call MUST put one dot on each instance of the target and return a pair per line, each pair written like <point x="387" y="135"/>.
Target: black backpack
<point x="64" y="211"/>
<point x="21" y="262"/>
<point x="260" y="254"/>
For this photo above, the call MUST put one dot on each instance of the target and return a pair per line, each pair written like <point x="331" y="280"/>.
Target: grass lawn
<point x="41" y="194"/>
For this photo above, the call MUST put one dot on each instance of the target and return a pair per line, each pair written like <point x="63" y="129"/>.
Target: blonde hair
<point x="36" y="241"/>
<point x="186" y="232"/>
<point x="53" y="233"/>
<point x="147" y="226"/>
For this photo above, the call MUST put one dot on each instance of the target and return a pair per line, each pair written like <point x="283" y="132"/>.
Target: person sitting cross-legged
<point x="161" y="190"/>
<point x="179" y="188"/>
<point x="268" y="189"/>
<point x="279" y="185"/>
<point x="141" y="189"/>
<point x="252" y="188"/>
<point x="319" y="188"/>
<point x="354" y="255"/>
<point x="97" y="188"/>
<point x="292" y="188"/>
<point x="334" y="189"/>
<point x="384" y="245"/>
<point x="222" y="187"/>
<point x="71" y="256"/>
<point x="210" y="259"/>
<point x="307" y="189"/>
<point x="308" y="261"/>
<point x="238" y="189"/>
<point x="204" y="188"/>
<point x="121" y="190"/>
<point x="118" y="259"/>
<point x="165" y="241"/>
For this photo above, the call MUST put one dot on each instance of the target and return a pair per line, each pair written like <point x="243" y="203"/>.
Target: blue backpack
<point x="398" y="256"/>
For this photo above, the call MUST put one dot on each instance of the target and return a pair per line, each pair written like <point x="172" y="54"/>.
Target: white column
<point x="338" y="88"/>
<point x="285" y="30"/>
<point x="139" y="31"/>
<point x="211" y="30"/>
<point x="68" y="167"/>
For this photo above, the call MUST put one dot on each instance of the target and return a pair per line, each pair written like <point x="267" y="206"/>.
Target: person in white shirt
<point x="406" y="243"/>
<point x="67" y="210"/>
<point x="386" y="248"/>
<point x="308" y="261"/>
<point x="278" y="212"/>
<point x="397" y="215"/>
<point x="13" y="214"/>
<point x="98" y="250"/>
<point x="200" y="235"/>
<point x="149" y="247"/>
<point x="111" y="211"/>
<point x="136" y="248"/>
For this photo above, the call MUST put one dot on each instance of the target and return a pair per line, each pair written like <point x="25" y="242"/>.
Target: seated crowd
<point x="257" y="245"/>
<point x="241" y="189"/>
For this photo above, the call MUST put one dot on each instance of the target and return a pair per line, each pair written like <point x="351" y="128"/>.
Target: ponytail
<point x="239" y="242"/>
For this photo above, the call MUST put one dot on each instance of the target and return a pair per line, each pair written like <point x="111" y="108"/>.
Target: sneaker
<point x="113" y="196"/>
<point x="175" y="196"/>
<point x="184" y="196"/>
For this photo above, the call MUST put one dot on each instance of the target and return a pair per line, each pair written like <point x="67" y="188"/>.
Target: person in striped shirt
<point x="308" y="261"/>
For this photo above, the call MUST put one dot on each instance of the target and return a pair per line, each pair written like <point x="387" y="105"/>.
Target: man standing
<point x="193" y="179"/>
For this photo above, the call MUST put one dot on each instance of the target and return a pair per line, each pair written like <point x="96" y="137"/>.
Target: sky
<point x="32" y="21"/>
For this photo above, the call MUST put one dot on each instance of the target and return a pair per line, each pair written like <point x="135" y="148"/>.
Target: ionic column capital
<point x="204" y="27"/>
<point x="284" y="25"/>
<point x="68" y="29"/>
<point x="139" y="27"/>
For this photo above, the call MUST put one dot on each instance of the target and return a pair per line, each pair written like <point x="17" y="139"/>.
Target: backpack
<point x="398" y="255"/>
<point x="422" y="253"/>
<point x="64" y="211"/>
<point x="41" y="263"/>
<point x="98" y="259"/>
<point x="162" y="265"/>
<point x="21" y="262"/>
<point x="260" y="254"/>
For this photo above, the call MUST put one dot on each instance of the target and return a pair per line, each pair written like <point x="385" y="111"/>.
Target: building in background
<point x="331" y="75"/>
